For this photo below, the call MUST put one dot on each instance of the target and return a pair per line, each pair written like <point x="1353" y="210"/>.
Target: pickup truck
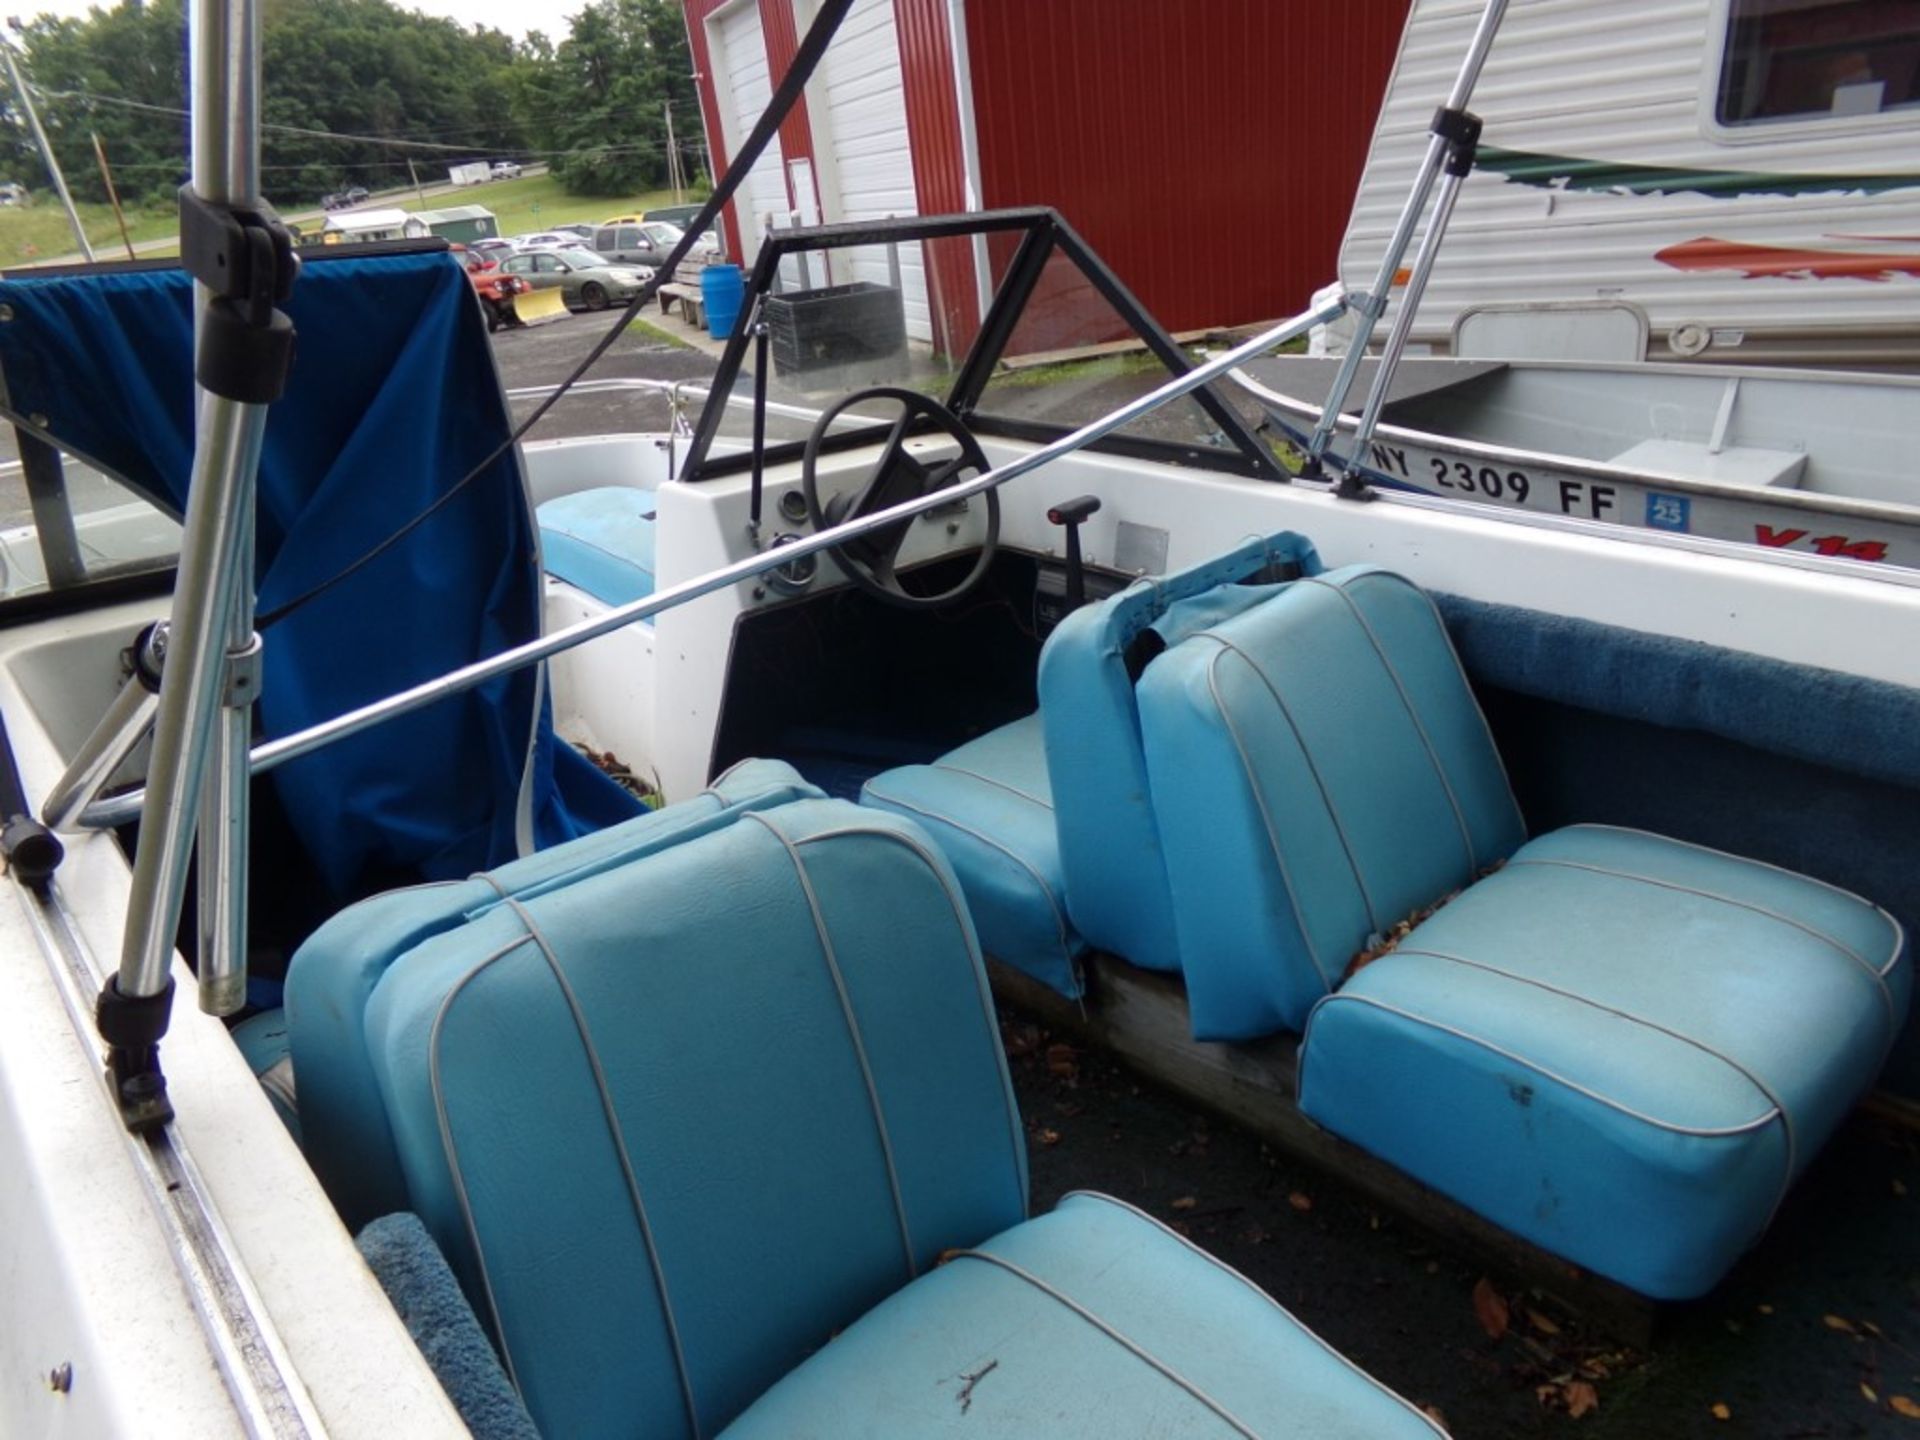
<point x="495" y="288"/>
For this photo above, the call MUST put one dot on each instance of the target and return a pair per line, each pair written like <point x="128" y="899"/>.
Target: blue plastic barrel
<point x="722" y="289"/>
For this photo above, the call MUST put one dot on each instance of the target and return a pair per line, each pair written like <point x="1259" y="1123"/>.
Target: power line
<point x="82" y="95"/>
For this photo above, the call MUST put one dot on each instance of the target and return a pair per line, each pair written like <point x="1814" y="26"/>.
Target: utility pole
<point x="673" y="157"/>
<point x="416" y="183"/>
<point x="46" y="152"/>
<point x="113" y="195"/>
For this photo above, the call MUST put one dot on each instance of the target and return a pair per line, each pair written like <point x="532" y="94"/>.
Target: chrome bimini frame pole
<point x="244" y="263"/>
<point x="120" y="808"/>
<point x="1450" y="123"/>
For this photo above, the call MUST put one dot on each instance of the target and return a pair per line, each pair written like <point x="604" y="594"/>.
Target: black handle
<point x="1072" y="514"/>
<point x="32" y="851"/>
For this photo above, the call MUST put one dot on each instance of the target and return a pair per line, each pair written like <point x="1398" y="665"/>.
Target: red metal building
<point x="1208" y="149"/>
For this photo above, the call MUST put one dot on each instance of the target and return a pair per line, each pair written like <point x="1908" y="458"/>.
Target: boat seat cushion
<point x="601" y="541"/>
<point x="990" y="809"/>
<point x="1047" y="820"/>
<point x="756" y="1087"/>
<point x="1116" y="880"/>
<point x="1620" y="1046"/>
<point x="1320" y="771"/>
<point x="343" y="1123"/>
<point x="755" y="1092"/>
<point x="1089" y="1323"/>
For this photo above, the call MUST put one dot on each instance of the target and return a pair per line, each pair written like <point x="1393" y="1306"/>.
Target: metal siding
<point x="939" y="168"/>
<point x="864" y="121"/>
<point x="1623" y="80"/>
<point x="1208" y="150"/>
<point x="744" y="62"/>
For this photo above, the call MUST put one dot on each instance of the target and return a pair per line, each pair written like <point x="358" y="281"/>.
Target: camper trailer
<point x="1720" y="180"/>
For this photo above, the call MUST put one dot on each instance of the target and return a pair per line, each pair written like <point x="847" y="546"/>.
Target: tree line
<point x="344" y="81"/>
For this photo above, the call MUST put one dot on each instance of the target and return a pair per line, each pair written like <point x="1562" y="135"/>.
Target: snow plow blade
<point x="534" y="306"/>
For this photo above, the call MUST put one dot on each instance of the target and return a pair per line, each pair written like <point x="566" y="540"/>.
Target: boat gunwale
<point x="1795" y="499"/>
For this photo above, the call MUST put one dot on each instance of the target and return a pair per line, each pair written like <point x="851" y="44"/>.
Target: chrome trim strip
<point x="267" y="1394"/>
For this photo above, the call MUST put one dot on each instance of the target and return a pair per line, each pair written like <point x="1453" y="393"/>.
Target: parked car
<point x="644" y="242"/>
<point x="505" y="170"/>
<point x="492" y="248"/>
<point x="580" y="231"/>
<point x="554" y="239"/>
<point x="494" y="286"/>
<point x="587" y="281"/>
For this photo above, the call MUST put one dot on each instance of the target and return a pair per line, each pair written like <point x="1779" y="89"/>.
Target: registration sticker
<point x="1668" y="512"/>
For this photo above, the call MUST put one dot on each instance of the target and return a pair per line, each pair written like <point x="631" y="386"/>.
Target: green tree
<point x="600" y="101"/>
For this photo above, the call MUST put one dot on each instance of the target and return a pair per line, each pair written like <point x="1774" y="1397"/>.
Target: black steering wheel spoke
<point x="898" y="476"/>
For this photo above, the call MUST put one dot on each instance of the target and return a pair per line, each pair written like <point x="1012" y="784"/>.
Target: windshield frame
<point x="1045" y="233"/>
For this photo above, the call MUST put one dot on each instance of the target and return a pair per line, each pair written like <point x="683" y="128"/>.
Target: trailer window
<point x="1795" y="59"/>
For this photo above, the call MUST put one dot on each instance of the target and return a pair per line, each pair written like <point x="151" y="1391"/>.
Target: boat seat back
<point x="1110" y="851"/>
<point x="1320" y="772"/>
<point x="601" y="541"/>
<point x="340" y="1116"/>
<point x="677" y="1122"/>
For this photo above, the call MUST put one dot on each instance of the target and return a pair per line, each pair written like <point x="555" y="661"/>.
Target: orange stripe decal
<point x="1787" y="262"/>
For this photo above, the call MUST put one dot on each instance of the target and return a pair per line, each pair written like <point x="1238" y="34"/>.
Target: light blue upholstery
<point x="680" y="1123"/>
<point x="755" y="1087"/>
<point x="601" y="541"/>
<point x="1620" y="1046"/>
<point x="990" y="809"/>
<point x="1320" y="771"/>
<point x="330" y="978"/>
<point x="1047" y="821"/>
<point x="1094" y="1321"/>
<point x="1116" y="880"/>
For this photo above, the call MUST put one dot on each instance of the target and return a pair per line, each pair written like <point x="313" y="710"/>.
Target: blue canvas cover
<point x="394" y="397"/>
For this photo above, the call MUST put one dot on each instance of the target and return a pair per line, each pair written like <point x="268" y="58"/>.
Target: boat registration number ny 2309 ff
<point x="1748" y="517"/>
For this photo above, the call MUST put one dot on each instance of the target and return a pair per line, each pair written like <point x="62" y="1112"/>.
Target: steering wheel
<point x="897" y="476"/>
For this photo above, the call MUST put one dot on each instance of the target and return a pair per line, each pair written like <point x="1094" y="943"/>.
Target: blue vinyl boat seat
<point x="718" y="1138"/>
<point x="1047" y="820"/>
<point x="339" y="1117"/>
<point x="1620" y="1046"/>
<point x="601" y="541"/>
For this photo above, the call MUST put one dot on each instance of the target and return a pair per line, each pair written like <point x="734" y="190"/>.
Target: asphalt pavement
<point x="545" y="354"/>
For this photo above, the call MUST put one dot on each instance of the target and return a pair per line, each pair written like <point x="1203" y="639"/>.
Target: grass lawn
<point x="538" y="203"/>
<point x="37" y="233"/>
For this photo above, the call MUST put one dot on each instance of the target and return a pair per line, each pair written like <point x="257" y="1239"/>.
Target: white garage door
<point x="743" y="60"/>
<point x="866" y="127"/>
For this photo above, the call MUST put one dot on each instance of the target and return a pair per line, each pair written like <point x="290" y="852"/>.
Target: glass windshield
<point x="844" y="320"/>
<point x="1014" y="326"/>
<point x="96" y="529"/>
<point x="1072" y="358"/>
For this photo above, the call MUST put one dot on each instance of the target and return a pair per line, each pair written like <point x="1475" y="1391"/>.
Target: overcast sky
<point x="516" y="17"/>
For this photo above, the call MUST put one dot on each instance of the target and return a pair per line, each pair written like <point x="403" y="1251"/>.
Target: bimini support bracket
<point x="1450" y="148"/>
<point x="197" y="778"/>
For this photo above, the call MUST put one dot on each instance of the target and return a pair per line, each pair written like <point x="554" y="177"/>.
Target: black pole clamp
<point x="245" y="257"/>
<point x="1461" y="130"/>
<point x="132" y="1026"/>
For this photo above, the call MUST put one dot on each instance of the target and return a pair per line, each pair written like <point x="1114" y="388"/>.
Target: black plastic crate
<point x="835" y="325"/>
